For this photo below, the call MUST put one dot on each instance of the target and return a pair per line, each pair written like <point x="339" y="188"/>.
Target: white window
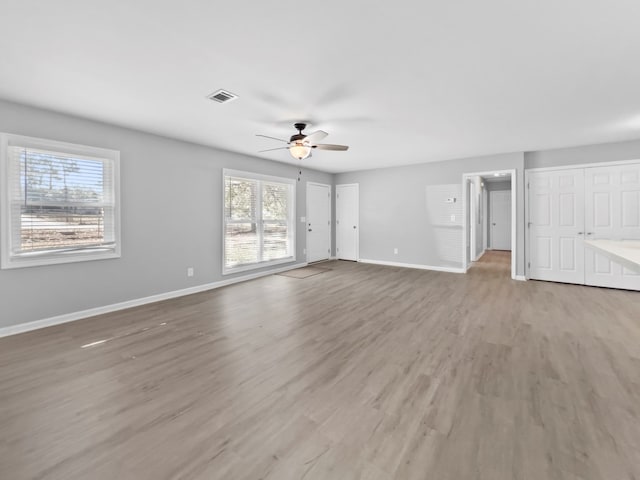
<point x="59" y="202"/>
<point x="259" y="220"/>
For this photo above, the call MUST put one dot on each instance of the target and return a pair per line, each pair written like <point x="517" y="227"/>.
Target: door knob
<point x="354" y="226"/>
<point x="493" y="224"/>
<point x="310" y="230"/>
<point x="580" y="233"/>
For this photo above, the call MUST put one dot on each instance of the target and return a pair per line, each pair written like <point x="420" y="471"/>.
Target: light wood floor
<point x="362" y="372"/>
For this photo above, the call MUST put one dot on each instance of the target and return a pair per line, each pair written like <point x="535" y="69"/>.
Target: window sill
<point x="257" y="266"/>
<point x="43" y="259"/>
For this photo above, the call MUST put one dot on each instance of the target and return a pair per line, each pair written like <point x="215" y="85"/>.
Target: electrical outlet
<point x="303" y="219"/>
<point x="189" y="271"/>
<point x="453" y="218"/>
<point x="395" y="251"/>
<point x="304" y="251"/>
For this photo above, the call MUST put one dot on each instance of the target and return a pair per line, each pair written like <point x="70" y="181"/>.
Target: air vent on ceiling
<point x="222" y="96"/>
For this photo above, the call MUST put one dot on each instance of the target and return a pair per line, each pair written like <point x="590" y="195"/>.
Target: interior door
<point x="612" y="196"/>
<point x="556" y="225"/>
<point x="500" y="219"/>
<point x="318" y="222"/>
<point x="347" y="221"/>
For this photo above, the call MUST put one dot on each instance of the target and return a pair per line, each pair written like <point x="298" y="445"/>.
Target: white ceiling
<point x="400" y="82"/>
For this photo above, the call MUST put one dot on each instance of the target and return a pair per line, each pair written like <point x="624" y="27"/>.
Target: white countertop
<point x="624" y="252"/>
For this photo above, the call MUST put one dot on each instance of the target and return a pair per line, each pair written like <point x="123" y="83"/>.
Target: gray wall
<point x="392" y="205"/>
<point x="171" y="194"/>
<point x="161" y="179"/>
<point x="604" y="152"/>
<point x="393" y="212"/>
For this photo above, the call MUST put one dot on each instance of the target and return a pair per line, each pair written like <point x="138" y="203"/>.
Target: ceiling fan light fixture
<point x="299" y="151"/>
<point x="300" y="144"/>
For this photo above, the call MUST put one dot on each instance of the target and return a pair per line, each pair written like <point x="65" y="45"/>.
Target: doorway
<point x="479" y="215"/>
<point x="318" y="222"/>
<point x="347" y="222"/>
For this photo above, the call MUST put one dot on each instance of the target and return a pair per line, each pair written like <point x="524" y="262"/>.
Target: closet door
<point x="613" y="213"/>
<point x="347" y="222"/>
<point x="556" y="228"/>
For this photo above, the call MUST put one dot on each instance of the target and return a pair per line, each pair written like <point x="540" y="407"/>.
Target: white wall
<point x="171" y="219"/>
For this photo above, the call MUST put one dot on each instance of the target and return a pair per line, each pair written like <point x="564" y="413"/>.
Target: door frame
<point x="527" y="203"/>
<point x="466" y="262"/>
<point x="473" y="225"/>
<point x="306" y="228"/>
<point x="485" y="220"/>
<point x="357" y="185"/>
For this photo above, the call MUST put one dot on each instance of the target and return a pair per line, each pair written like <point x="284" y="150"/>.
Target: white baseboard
<point x="92" y="312"/>
<point x="321" y="261"/>
<point x="479" y="256"/>
<point x="413" y="265"/>
<point x="520" y="278"/>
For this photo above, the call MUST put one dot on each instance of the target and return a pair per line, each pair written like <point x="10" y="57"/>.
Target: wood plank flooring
<point x="363" y="372"/>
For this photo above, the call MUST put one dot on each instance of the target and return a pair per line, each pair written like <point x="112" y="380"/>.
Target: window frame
<point x="291" y="221"/>
<point x="52" y="257"/>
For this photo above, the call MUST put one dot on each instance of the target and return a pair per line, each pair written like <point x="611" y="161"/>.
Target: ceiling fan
<point x="301" y="144"/>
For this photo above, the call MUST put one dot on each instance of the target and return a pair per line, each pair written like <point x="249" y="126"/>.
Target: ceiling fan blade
<point x="315" y="137"/>
<point x="272" y="138"/>
<point x="328" y="146"/>
<point x="272" y="149"/>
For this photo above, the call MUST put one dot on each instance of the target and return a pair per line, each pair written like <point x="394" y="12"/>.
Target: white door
<point x="556" y="225"/>
<point x="500" y="219"/>
<point x="347" y="221"/>
<point x="613" y="212"/>
<point x="318" y="222"/>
